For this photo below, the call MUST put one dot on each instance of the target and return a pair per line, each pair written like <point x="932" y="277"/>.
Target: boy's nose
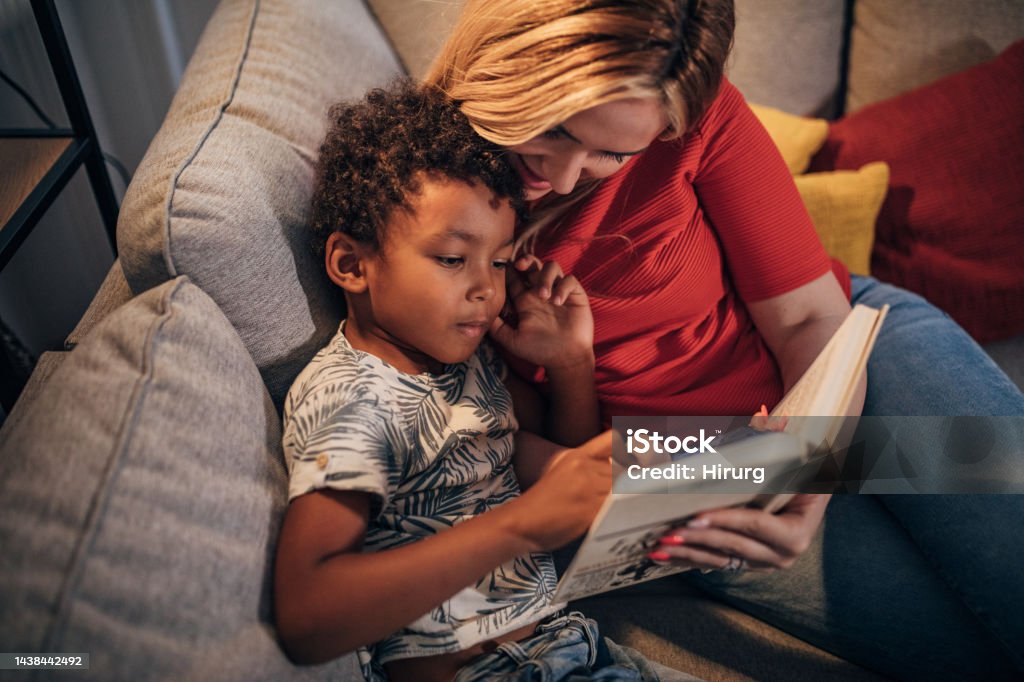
<point x="483" y="289"/>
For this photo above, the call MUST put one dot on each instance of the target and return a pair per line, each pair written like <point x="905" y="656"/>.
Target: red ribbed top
<point x="670" y="247"/>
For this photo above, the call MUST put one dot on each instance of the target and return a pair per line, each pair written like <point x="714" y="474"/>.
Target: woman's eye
<point x="501" y="264"/>
<point x="617" y="158"/>
<point x="449" y="261"/>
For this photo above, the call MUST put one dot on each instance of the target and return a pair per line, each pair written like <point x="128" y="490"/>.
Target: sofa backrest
<point x="223" y="191"/>
<point x="897" y="46"/>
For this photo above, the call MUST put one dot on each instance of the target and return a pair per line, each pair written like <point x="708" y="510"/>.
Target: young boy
<point x="407" y="536"/>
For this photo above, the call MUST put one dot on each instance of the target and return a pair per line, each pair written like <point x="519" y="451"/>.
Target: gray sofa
<point x="141" y="477"/>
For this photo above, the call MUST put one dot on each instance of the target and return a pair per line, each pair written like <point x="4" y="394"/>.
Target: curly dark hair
<point x="377" y="151"/>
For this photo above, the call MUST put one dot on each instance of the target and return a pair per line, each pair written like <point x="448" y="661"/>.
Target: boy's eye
<point x="449" y="261"/>
<point x="501" y="264"/>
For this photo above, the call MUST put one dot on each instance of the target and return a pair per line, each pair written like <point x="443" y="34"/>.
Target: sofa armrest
<point x="112" y="294"/>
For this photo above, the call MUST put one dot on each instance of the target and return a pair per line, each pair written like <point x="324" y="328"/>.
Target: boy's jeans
<point x="566" y="648"/>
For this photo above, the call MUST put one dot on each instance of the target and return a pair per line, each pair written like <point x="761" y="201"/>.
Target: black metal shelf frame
<point x="84" y="148"/>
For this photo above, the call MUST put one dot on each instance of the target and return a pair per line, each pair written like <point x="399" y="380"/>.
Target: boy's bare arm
<point x="532" y="457"/>
<point x="330" y="599"/>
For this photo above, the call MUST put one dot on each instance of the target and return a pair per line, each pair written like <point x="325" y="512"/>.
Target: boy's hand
<point x="560" y="506"/>
<point x="555" y="327"/>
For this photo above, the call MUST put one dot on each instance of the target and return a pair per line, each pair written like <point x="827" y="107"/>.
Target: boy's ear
<point x="344" y="260"/>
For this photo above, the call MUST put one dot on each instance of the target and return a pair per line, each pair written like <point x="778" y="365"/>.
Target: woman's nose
<point x="565" y="172"/>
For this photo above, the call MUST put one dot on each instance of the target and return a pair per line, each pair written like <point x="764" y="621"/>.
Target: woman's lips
<point x="530" y="179"/>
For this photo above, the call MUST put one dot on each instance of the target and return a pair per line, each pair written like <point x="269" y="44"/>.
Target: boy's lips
<point x="530" y="179"/>
<point x="473" y="328"/>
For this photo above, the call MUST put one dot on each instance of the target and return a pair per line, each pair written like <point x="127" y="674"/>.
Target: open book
<point x="614" y="552"/>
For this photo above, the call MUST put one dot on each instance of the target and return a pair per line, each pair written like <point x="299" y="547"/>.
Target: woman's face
<point x="592" y="144"/>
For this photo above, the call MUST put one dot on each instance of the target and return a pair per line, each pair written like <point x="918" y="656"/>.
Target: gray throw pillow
<point x="223" y="192"/>
<point x="140" y="498"/>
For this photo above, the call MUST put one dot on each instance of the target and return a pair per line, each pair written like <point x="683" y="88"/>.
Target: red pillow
<point x="952" y="225"/>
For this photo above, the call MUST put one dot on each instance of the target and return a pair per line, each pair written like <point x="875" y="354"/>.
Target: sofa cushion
<point x="222" y="194"/>
<point x="787" y="54"/>
<point x="142" y="490"/>
<point x="950" y="227"/>
<point x="417" y="28"/>
<point x="898" y="46"/>
<point x="797" y="137"/>
<point x="844" y="206"/>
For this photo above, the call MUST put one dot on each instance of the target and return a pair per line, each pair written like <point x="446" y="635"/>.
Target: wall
<point x="129" y="55"/>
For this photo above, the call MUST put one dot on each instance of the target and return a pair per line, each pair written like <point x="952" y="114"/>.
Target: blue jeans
<point x="911" y="586"/>
<point x="565" y="648"/>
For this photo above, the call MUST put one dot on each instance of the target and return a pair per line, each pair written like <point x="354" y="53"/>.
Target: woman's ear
<point x="344" y="260"/>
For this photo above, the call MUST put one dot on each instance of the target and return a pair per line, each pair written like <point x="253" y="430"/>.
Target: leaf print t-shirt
<point x="432" y="451"/>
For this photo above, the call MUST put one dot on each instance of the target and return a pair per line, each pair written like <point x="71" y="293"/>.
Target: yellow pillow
<point x="797" y="137"/>
<point x="844" y="206"/>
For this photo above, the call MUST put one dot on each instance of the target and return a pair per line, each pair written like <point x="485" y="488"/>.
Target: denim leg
<point x="864" y="592"/>
<point x="568" y="648"/>
<point x="912" y="586"/>
<point x="924" y="364"/>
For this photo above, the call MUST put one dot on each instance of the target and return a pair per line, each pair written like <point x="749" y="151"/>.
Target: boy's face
<point x="438" y="281"/>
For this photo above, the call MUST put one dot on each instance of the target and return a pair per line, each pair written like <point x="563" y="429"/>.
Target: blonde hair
<point x="518" y="68"/>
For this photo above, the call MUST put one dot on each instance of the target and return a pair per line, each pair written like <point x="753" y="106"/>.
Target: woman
<point x="655" y="186"/>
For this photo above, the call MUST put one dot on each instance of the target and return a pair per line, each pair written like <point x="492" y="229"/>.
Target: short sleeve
<point x="491" y="360"/>
<point x="340" y="435"/>
<point x="746" y="192"/>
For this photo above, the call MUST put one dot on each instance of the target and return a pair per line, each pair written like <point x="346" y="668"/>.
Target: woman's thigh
<point x="925" y="364"/>
<point x="865" y="592"/>
<point x="937" y="573"/>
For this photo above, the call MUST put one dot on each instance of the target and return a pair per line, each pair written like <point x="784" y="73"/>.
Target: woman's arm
<point x="330" y="598"/>
<point x="797" y="325"/>
<point x="782" y="274"/>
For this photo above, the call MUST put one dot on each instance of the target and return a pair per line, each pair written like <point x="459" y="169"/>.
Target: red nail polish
<point x="672" y="540"/>
<point x="659" y="556"/>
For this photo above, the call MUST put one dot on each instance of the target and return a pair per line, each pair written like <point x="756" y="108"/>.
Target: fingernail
<point x="658" y="556"/>
<point x="698" y="523"/>
<point x="672" y="540"/>
<point x="543" y="292"/>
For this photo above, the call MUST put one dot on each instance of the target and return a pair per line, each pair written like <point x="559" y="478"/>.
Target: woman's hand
<point x="763" y="540"/>
<point x="554" y="328"/>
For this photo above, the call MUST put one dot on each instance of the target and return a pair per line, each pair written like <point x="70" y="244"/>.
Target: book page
<point x="614" y="552"/>
<point x="827" y="387"/>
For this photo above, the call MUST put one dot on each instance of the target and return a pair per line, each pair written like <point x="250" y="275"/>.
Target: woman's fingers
<point x="726" y="543"/>
<point x="705" y="559"/>
<point x="789" y="532"/>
